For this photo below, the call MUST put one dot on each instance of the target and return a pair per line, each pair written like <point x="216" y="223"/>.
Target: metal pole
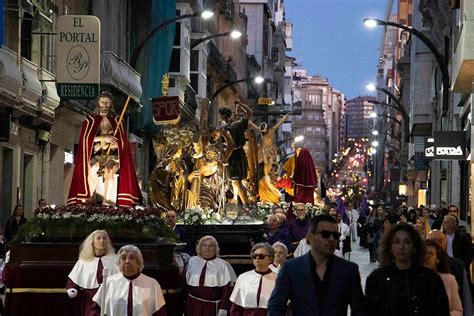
<point x="439" y="58"/>
<point x="139" y="48"/>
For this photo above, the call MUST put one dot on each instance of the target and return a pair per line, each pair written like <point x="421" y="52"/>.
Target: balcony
<point x="224" y="68"/>
<point x="463" y="60"/>
<point x="117" y="73"/>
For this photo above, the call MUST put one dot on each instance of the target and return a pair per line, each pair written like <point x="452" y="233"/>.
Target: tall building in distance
<point x="357" y="120"/>
<point x="321" y="106"/>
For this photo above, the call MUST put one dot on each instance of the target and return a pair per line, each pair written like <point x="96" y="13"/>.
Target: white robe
<point x="147" y="295"/>
<point x="84" y="273"/>
<point x="275" y="268"/>
<point x="304" y="248"/>
<point x="246" y="288"/>
<point x="354" y="219"/>
<point x="218" y="272"/>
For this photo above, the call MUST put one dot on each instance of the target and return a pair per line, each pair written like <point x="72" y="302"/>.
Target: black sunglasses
<point x="259" y="256"/>
<point x="326" y="234"/>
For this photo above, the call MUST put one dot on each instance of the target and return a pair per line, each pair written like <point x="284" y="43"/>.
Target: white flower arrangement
<point x="199" y="216"/>
<point x="313" y="210"/>
<point x="263" y="210"/>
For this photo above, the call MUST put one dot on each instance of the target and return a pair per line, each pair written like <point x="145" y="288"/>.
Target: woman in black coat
<point x="403" y="286"/>
<point x="14" y="222"/>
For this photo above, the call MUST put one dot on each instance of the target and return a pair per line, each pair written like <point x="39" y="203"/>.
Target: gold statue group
<point x="203" y="167"/>
<point x="197" y="166"/>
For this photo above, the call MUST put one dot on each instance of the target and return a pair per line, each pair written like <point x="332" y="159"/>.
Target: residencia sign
<point x="78" y="57"/>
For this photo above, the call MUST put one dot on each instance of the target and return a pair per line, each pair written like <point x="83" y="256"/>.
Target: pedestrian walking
<point x="403" y="286"/>
<point x="318" y="283"/>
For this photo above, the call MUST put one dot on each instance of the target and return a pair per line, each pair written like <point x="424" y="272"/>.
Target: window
<point x="177" y="35"/>
<point x="195" y="81"/>
<point x="175" y="60"/>
<point x="194" y="66"/>
<point x="319" y="98"/>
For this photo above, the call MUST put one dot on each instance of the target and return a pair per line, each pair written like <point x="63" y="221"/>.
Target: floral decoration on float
<point x="74" y="222"/>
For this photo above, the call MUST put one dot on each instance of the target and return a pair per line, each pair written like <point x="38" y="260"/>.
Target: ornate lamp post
<point x="235" y="34"/>
<point x="206" y="14"/>
<point x="369" y="22"/>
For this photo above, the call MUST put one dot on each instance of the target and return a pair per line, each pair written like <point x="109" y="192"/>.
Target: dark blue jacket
<point x="295" y="283"/>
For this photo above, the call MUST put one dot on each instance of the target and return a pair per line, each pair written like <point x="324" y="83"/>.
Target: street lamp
<point x="406" y="117"/>
<point x="386" y="116"/>
<point x="422" y="37"/>
<point x="399" y="106"/>
<point x="299" y="138"/>
<point x="235" y="34"/>
<point x="377" y="133"/>
<point x="375" y="144"/>
<point x="206" y="14"/>
<point x="257" y="80"/>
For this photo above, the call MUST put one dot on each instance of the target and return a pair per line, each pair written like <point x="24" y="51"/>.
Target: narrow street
<point x="360" y="256"/>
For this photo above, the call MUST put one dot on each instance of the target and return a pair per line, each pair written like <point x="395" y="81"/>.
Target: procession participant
<point x="95" y="254"/>
<point x="180" y="231"/>
<point x="275" y="231"/>
<point x="253" y="288"/>
<point x="280" y="254"/>
<point x="298" y="227"/>
<point x="209" y="279"/>
<point x="131" y="292"/>
<point x="104" y="150"/>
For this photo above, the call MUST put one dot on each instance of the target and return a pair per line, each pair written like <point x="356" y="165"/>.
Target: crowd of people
<point x="424" y="257"/>
<point x="418" y="274"/>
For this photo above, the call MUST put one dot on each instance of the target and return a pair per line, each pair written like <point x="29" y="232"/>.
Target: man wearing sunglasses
<point x="318" y="283"/>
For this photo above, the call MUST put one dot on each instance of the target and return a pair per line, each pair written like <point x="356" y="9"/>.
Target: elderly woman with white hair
<point x="95" y="254"/>
<point x="131" y="292"/>
<point x="280" y="254"/>
<point x="254" y="288"/>
<point x="209" y="281"/>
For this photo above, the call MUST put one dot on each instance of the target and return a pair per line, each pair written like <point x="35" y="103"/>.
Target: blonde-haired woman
<point x="209" y="280"/>
<point x="95" y="254"/>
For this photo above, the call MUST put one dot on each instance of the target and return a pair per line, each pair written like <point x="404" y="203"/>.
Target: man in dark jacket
<point x="318" y="283"/>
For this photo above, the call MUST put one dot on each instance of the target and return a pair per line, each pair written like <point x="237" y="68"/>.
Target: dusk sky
<point x="330" y="40"/>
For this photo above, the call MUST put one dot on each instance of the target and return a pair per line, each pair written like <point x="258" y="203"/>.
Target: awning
<point x="10" y="75"/>
<point x="119" y="74"/>
<point x="50" y="98"/>
<point x="32" y="89"/>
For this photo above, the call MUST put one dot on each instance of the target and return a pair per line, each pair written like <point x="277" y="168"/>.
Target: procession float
<point x="222" y="181"/>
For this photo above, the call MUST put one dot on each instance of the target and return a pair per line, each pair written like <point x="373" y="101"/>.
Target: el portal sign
<point x="78" y="57"/>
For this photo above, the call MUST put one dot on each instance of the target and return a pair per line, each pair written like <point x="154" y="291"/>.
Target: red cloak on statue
<point x="128" y="191"/>
<point x="304" y="178"/>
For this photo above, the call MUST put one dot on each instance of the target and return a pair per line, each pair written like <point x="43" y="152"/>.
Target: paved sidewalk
<point x="360" y="256"/>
